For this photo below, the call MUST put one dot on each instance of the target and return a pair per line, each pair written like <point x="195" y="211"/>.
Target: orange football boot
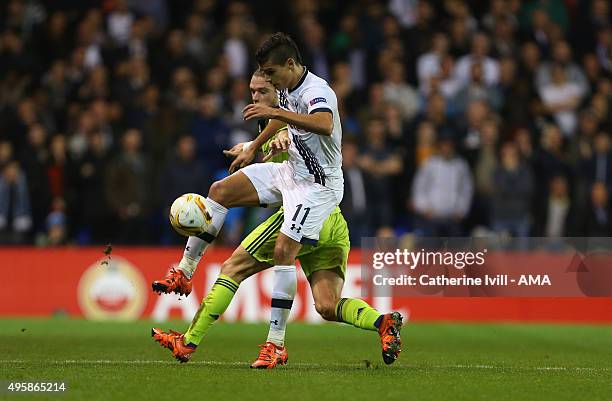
<point x="175" y="281"/>
<point x="174" y="342"/>
<point x="270" y="355"/>
<point x="389" y="331"/>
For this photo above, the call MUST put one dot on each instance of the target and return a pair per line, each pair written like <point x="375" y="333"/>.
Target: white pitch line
<point x="307" y="365"/>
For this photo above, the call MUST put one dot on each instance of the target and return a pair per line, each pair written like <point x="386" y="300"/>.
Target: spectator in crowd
<point x="56" y="225"/>
<point x="404" y="11"/>
<point x="34" y="161"/>
<point x="380" y="162"/>
<point x="442" y="192"/>
<point x="15" y="213"/>
<point x="119" y="23"/>
<point x="57" y="86"/>
<point x="313" y="37"/>
<point x="604" y="47"/>
<point x="347" y="94"/>
<point x="396" y="90"/>
<point x="550" y="160"/>
<point x="174" y="55"/>
<point x="398" y="138"/>
<point x="476" y="114"/>
<point x="182" y="173"/>
<point x="598" y="222"/>
<point x="195" y="33"/>
<point x="375" y="107"/>
<point x="556" y="219"/>
<point x="581" y="145"/>
<point x="562" y="56"/>
<point x="524" y="141"/>
<point x="485" y="164"/>
<point x="530" y="61"/>
<point x="425" y="146"/>
<point x="445" y="83"/>
<point x="210" y="132"/>
<point x="600" y="105"/>
<point x="540" y="30"/>
<point x="561" y="98"/>
<point x="429" y="64"/>
<point x="477" y="90"/>
<point x="592" y="71"/>
<point x="236" y="48"/>
<point x="436" y="113"/>
<point x="478" y="55"/>
<point x="458" y="10"/>
<point x="498" y="9"/>
<point x="504" y="43"/>
<point x="78" y="142"/>
<point x="91" y="214"/>
<point x="459" y="37"/>
<point x="59" y="170"/>
<point x="556" y="10"/>
<point x="598" y="167"/>
<point x="355" y="201"/>
<point x="134" y="76"/>
<point x="125" y="188"/>
<point x="511" y="196"/>
<point x="417" y="36"/>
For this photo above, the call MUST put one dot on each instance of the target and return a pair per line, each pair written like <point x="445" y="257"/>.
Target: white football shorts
<point x="306" y="204"/>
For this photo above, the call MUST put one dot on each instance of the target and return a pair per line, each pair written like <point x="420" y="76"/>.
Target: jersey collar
<point x="301" y="81"/>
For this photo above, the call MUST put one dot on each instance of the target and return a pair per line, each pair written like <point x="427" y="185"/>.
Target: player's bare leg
<point x="241" y="265"/>
<point x="326" y="287"/>
<point x="286" y="250"/>
<point x="233" y="191"/>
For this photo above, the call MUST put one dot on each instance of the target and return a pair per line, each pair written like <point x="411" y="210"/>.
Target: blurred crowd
<point x="458" y="116"/>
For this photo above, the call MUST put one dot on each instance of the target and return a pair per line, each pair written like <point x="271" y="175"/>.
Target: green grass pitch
<point x="120" y="361"/>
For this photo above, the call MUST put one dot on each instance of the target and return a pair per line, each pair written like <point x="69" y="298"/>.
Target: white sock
<point x="191" y="257"/>
<point x="283" y="292"/>
<point x="196" y="246"/>
<point x="218" y="213"/>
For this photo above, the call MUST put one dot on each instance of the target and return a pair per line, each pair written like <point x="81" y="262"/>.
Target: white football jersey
<point x="314" y="157"/>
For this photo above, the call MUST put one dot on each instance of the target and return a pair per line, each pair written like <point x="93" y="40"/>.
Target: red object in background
<point x="77" y="281"/>
<point x="55" y="174"/>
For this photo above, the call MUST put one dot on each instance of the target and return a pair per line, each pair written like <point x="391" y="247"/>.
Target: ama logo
<point x="537" y="279"/>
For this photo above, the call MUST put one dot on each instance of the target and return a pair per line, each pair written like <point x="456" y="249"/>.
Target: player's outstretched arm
<point x="236" y="149"/>
<point x="247" y="155"/>
<point x="278" y="145"/>
<point x="321" y="123"/>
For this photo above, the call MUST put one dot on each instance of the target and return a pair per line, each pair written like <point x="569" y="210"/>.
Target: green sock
<point x="358" y="313"/>
<point x="213" y="306"/>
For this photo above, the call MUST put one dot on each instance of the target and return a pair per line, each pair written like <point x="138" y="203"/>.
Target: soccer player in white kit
<point x="309" y="186"/>
<point x="310" y="183"/>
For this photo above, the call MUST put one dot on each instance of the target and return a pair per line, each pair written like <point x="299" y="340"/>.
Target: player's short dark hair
<point x="277" y="49"/>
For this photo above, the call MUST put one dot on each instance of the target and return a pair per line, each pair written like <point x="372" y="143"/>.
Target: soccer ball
<point x="188" y="215"/>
